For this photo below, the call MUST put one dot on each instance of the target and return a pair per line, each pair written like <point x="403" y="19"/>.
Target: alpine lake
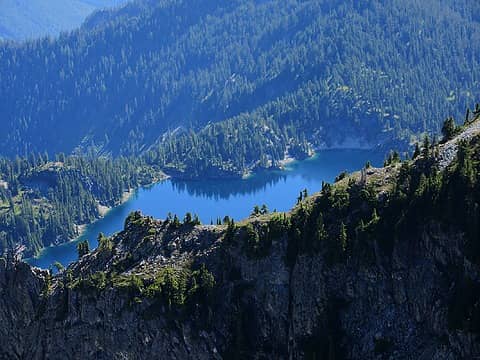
<point x="213" y="199"/>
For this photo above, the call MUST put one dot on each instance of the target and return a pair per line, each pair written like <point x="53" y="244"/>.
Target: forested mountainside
<point x="378" y="71"/>
<point x="32" y="19"/>
<point x="43" y="201"/>
<point x="385" y="263"/>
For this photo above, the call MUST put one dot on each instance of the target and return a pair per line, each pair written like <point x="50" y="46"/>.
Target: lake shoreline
<point x="288" y="166"/>
<point x="103" y="211"/>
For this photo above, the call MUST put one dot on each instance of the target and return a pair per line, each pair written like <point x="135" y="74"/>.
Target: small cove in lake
<point x="212" y="199"/>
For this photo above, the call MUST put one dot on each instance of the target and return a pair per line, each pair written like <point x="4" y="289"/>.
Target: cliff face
<point x="20" y="289"/>
<point x="264" y="288"/>
<point x="262" y="308"/>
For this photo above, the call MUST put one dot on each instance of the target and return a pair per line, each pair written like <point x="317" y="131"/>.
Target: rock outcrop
<point x="258" y="289"/>
<point x="262" y="308"/>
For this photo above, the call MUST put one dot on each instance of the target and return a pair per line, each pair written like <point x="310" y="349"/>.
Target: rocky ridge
<point x="267" y="287"/>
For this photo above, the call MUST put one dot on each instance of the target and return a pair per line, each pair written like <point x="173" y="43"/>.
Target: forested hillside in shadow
<point x="328" y="69"/>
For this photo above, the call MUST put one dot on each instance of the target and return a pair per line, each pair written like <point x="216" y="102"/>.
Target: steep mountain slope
<point x="22" y="19"/>
<point x="43" y="202"/>
<point x="332" y="70"/>
<point x="383" y="264"/>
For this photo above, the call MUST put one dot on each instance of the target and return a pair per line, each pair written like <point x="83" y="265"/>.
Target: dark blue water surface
<point x="212" y="199"/>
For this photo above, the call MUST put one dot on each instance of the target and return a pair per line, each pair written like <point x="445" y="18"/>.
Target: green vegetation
<point x="354" y="219"/>
<point x="227" y="107"/>
<point x="58" y="267"/>
<point x="227" y="149"/>
<point x="191" y="220"/>
<point x="350" y="216"/>
<point x="259" y="236"/>
<point x="449" y="129"/>
<point x="344" y="218"/>
<point x="223" y="86"/>
<point x="83" y="248"/>
<point x="43" y="201"/>
<point x="393" y="158"/>
<point x="104" y="243"/>
<point x="179" y="287"/>
<point x="175" y="288"/>
<point x="257" y="210"/>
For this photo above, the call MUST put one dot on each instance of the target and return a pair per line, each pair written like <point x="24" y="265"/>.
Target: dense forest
<point x="422" y="192"/>
<point x="383" y="263"/>
<point x="230" y="148"/>
<point x="216" y="89"/>
<point x="376" y="71"/>
<point x="43" y="201"/>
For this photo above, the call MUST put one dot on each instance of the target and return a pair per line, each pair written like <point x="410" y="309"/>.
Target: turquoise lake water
<point x="212" y="199"/>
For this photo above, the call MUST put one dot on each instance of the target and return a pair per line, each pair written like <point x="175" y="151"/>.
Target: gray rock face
<point x="367" y="308"/>
<point x="163" y="290"/>
<point x="20" y="289"/>
<point x="448" y="151"/>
